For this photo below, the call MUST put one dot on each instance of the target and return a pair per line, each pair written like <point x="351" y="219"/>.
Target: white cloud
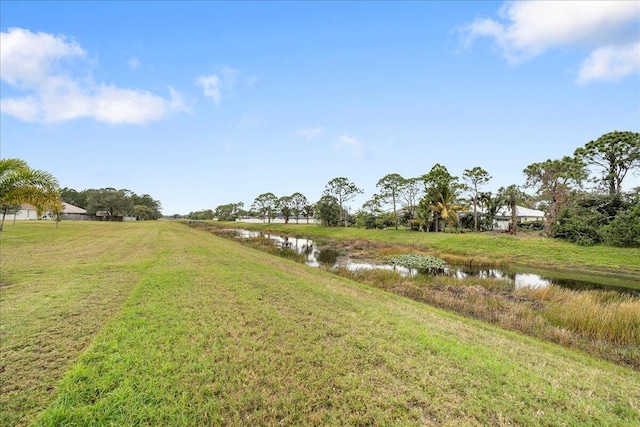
<point x="223" y="82"/>
<point x="350" y="144"/>
<point x="528" y="29"/>
<point x="310" y="133"/>
<point x="26" y="59"/>
<point x="210" y="87"/>
<point x="610" y="63"/>
<point x="26" y="109"/>
<point x="34" y="63"/>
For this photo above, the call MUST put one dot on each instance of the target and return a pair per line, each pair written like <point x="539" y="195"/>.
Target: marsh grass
<point x="600" y="315"/>
<point x="603" y="323"/>
<point x="195" y="330"/>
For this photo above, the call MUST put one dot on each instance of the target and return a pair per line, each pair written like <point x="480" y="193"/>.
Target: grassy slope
<point x="65" y="285"/>
<point x="534" y="251"/>
<point x="205" y="331"/>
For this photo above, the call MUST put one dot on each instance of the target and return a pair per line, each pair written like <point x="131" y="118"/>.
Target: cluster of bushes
<point x="591" y="219"/>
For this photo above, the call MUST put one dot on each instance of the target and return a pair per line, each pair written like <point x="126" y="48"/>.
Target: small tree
<point x="368" y="215"/>
<point x="410" y="195"/>
<point x="475" y="177"/>
<point x="154" y="206"/>
<point x="328" y="211"/>
<point x="21" y="184"/>
<point x="553" y="181"/>
<point x="439" y="185"/>
<point x="206" y="214"/>
<point x="112" y="202"/>
<point x="56" y="211"/>
<point x="229" y="212"/>
<point x="446" y="208"/>
<point x="616" y="153"/>
<point x="298" y="204"/>
<point x="342" y="190"/>
<point x="143" y="212"/>
<point x="308" y="211"/>
<point x="512" y="195"/>
<point x="284" y="206"/>
<point x="265" y="205"/>
<point x="390" y="188"/>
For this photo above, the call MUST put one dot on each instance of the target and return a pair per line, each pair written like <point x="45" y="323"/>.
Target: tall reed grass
<point x="603" y="323"/>
<point x="602" y="315"/>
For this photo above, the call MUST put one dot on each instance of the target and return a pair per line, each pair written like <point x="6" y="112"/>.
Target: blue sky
<point x="205" y="103"/>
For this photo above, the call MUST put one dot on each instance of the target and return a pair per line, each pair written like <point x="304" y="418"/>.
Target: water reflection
<point x="330" y="258"/>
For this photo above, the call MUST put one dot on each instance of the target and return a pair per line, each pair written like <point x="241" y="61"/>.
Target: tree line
<point x="113" y="202"/>
<point x="21" y="184"/>
<point x="580" y="194"/>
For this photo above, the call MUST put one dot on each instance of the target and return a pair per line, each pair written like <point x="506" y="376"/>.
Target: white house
<point x="69" y="212"/>
<point x="26" y="212"/>
<point x="523" y="216"/>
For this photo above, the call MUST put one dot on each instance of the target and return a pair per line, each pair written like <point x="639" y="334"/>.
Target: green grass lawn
<point x="525" y="248"/>
<point x="158" y="324"/>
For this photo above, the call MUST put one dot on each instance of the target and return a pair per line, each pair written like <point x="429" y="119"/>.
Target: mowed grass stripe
<point x="59" y="287"/>
<point x="216" y="333"/>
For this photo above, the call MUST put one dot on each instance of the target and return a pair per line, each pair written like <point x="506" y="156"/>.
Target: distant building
<point x="69" y="212"/>
<point x="26" y="212"/>
<point x="523" y="216"/>
<point x="73" y="213"/>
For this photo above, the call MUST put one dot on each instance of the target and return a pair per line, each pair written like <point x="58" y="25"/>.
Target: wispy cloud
<point x="350" y="144"/>
<point x="610" y="63"/>
<point x="222" y="81"/>
<point x="609" y="29"/>
<point x="310" y="133"/>
<point x="211" y="87"/>
<point x="38" y="64"/>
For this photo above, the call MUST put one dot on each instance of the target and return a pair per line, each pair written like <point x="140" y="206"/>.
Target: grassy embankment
<point x="158" y="324"/>
<point x="602" y="323"/>
<point x="485" y="248"/>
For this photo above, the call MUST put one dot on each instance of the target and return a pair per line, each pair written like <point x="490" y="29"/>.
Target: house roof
<point x="70" y="209"/>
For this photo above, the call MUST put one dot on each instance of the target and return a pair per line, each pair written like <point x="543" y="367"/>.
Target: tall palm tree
<point x="21" y="184"/>
<point x="512" y="195"/>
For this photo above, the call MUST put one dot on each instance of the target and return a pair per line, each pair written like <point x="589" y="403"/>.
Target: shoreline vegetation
<point x="603" y="323"/>
<point x="156" y="323"/>
<point x="484" y="248"/>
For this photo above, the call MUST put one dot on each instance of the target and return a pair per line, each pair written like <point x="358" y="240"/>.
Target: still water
<point x="331" y="258"/>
